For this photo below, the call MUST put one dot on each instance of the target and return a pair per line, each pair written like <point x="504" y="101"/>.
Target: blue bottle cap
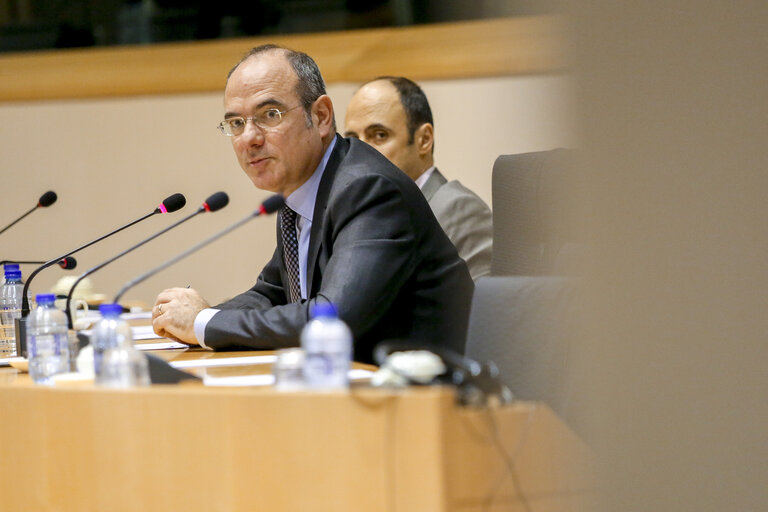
<point x="45" y="298"/>
<point x="110" y="309"/>
<point x="12" y="274"/>
<point x="323" y="309"/>
<point x="11" y="266"/>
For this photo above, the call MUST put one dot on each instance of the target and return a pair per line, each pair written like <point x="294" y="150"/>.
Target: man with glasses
<point x="355" y="230"/>
<point x="392" y="114"/>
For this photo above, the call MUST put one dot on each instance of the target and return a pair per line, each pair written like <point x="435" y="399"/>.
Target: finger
<point x="158" y="327"/>
<point x="158" y="309"/>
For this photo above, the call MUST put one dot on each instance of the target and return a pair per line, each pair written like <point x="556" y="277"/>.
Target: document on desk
<point x="227" y="361"/>
<point x="162" y="345"/>
<point x="268" y="380"/>
<point x="144" y="332"/>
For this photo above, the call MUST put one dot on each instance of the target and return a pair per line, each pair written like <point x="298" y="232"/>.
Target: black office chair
<point x="531" y="196"/>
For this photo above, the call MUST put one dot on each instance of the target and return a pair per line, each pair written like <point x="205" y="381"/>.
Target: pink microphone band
<point x="162" y="208"/>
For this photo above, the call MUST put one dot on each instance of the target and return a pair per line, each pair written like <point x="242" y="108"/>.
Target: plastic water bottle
<point x="47" y="340"/>
<point x="10" y="302"/>
<point x="115" y="362"/>
<point x="327" y="344"/>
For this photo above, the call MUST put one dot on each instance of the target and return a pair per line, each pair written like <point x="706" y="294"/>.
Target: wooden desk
<point x="189" y="448"/>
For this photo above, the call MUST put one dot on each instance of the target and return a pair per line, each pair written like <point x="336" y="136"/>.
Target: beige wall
<point x="113" y="160"/>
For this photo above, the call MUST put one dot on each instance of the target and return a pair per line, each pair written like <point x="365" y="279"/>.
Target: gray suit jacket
<point x="376" y="251"/>
<point x="465" y="218"/>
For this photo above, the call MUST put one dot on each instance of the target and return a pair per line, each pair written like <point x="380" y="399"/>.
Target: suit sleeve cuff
<point x="201" y="320"/>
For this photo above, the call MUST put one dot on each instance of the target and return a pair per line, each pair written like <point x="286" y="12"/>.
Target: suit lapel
<point x="321" y="202"/>
<point x="435" y="181"/>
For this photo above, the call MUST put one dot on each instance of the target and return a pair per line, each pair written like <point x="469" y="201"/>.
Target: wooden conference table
<point x="191" y="447"/>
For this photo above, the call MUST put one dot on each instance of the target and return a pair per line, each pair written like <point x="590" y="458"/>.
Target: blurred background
<point x="45" y="24"/>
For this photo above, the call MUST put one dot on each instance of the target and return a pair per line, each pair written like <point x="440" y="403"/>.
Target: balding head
<point x="392" y="115"/>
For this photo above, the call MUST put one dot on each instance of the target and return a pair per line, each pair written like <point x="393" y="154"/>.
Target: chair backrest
<point x="528" y="229"/>
<point x="521" y="324"/>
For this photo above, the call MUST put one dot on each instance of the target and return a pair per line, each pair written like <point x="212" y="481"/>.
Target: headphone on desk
<point x="476" y="384"/>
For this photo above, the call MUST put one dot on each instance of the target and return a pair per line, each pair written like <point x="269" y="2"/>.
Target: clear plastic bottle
<point x="10" y="303"/>
<point x="327" y="344"/>
<point x="115" y="362"/>
<point x="47" y="340"/>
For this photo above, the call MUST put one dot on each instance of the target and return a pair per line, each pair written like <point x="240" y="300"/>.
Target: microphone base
<point x="21" y="336"/>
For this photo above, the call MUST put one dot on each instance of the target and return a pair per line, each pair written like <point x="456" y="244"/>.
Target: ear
<point x="322" y="115"/>
<point x="424" y="138"/>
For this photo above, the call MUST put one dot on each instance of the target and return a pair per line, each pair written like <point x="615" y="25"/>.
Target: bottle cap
<point x="45" y="298"/>
<point x="110" y="309"/>
<point x="11" y="266"/>
<point x="323" y="309"/>
<point x="12" y="274"/>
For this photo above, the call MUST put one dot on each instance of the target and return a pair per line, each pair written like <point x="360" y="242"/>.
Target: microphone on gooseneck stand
<point x="45" y="200"/>
<point x="66" y="263"/>
<point x="170" y="204"/>
<point x="215" y="202"/>
<point x="270" y="205"/>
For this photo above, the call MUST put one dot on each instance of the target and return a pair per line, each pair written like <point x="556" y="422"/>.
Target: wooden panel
<point x="192" y="448"/>
<point x="497" y="47"/>
<point x="517" y="457"/>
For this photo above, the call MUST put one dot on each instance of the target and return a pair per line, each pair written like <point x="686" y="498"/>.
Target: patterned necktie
<point x="291" y="251"/>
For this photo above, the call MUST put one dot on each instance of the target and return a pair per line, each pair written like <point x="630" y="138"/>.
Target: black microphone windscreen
<point x="216" y="202"/>
<point x="68" y="263"/>
<point x="47" y="199"/>
<point x="272" y="204"/>
<point x="172" y="203"/>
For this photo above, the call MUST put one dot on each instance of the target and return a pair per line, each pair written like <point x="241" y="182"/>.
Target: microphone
<point x="45" y="200"/>
<point x="170" y="204"/>
<point x="214" y="202"/>
<point x="66" y="263"/>
<point x="270" y="205"/>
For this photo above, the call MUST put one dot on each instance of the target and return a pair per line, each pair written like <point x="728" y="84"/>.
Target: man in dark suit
<point x="355" y="231"/>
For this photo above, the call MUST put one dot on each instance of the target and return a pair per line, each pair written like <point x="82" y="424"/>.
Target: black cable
<point x="509" y="459"/>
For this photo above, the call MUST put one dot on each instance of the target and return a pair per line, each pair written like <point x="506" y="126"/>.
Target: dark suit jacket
<point x="376" y="252"/>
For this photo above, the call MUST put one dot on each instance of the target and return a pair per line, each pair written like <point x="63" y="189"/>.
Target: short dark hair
<point x="310" y="85"/>
<point x="414" y="101"/>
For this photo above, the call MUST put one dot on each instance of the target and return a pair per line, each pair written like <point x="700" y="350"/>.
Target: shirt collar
<point x="421" y="180"/>
<point x="302" y="200"/>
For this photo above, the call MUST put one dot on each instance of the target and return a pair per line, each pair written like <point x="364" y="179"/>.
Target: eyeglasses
<point x="267" y="118"/>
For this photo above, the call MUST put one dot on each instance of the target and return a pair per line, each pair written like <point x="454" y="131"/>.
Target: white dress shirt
<point x="421" y="180"/>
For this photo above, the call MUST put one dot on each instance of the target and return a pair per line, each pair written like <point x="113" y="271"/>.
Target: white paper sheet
<point x="163" y="345"/>
<point x="228" y="361"/>
<point x="240" y="380"/>
<point x="144" y="332"/>
<point x="268" y="380"/>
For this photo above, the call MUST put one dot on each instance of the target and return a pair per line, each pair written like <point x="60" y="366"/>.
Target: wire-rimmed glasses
<point x="265" y="119"/>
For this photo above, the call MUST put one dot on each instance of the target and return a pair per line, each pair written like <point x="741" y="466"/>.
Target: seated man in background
<point x="392" y="114"/>
<point x="355" y="231"/>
